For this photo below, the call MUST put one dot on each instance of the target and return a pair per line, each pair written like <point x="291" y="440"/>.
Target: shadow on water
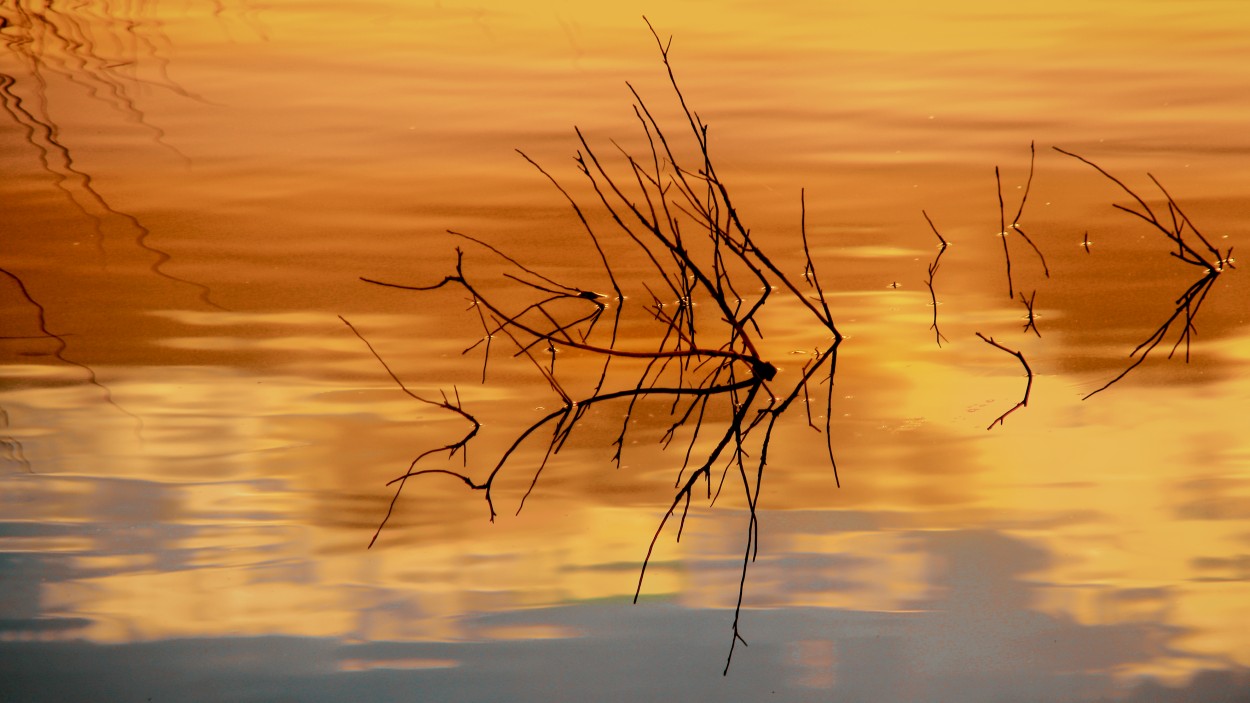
<point x="66" y="43"/>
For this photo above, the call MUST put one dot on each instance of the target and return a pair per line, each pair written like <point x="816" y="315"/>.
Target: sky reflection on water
<point x="194" y="447"/>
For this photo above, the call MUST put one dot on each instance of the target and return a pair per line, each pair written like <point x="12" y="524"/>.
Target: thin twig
<point x="1024" y="401"/>
<point x="1031" y="319"/>
<point x="1177" y="228"/>
<point x="933" y="267"/>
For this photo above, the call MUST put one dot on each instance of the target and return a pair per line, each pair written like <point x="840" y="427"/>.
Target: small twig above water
<point x="1176" y="226"/>
<point x="1024" y="401"/>
<point x="1031" y="319"/>
<point x="933" y="267"/>
<point x="1005" y="229"/>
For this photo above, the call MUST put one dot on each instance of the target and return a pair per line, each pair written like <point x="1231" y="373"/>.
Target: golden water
<point x="191" y="191"/>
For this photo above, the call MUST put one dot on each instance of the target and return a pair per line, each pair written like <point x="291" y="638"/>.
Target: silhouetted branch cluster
<point x="1191" y="247"/>
<point x="1201" y="254"/>
<point x="704" y="283"/>
<point x="707" y="281"/>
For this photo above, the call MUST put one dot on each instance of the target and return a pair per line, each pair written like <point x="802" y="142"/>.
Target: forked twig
<point x="933" y="267"/>
<point x="1178" y="228"/>
<point x="1024" y="401"/>
<point x="451" y="449"/>
<point x="1031" y="319"/>
<point x="1005" y="229"/>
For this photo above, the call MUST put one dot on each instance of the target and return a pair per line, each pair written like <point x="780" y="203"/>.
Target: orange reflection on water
<point x="202" y="472"/>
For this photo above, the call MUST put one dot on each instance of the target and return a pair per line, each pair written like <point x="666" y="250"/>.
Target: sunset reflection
<point x="195" y="450"/>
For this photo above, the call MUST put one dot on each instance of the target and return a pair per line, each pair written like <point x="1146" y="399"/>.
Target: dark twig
<point x="446" y="404"/>
<point x="1178" y="228"/>
<point x="1006" y="229"/>
<point x="933" y="267"/>
<point x="1031" y="320"/>
<point x="1002" y="232"/>
<point x="1027" y="388"/>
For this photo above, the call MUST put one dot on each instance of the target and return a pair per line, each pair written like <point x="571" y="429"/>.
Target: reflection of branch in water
<point x="1004" y="229"/>
<point x="69" y="42"/>
<point x="1031" y="318"/>
<point x="933" y="267"/>
<point x="706" y="281"/>
<point x="1177" y="227"/>
<point x="41" y="135"/>
<point x="55" y="42"/>
<point x="1024" y="401"/>
<point x="12" y="447"/>
<point x="59" y="351"/>
<point x="451" y="449"/>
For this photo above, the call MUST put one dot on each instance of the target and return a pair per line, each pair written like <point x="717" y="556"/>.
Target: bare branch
<point x="933" y="267"/>
<point x="1024" y="401"/>
<point x="1178" y="228"/>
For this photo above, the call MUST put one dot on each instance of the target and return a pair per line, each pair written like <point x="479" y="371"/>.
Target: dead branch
<point x="1031" y="318"/>
<point x="933" y="267"/>
<point x="1024" y="401"/>
<point x="1004" y="229"/>
<point x="706" y="341"/>
<point x="1177" y="228"/>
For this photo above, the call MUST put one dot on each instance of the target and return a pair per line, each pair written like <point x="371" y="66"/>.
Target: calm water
<point x="194" y="448"/>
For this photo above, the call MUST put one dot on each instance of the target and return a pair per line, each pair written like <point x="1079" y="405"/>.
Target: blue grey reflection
<point x="977" y="637"/>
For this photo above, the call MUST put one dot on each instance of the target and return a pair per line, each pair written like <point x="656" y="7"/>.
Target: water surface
<point x="195" y="447"/>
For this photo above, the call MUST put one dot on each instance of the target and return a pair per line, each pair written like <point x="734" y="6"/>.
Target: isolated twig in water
<point x="1024" y="401"/>
<point x="1201" y="254"/>
<point x="1031" y="319"/>
<point x="933" y="267"/>
<point x="1006" y="229"/>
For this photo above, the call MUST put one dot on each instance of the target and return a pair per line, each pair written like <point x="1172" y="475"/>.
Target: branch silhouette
<point x="1024" y="401"/>
<point x="1201" y="254"/>
<point x="706" y="282"/>
<point x="1005" y="229"/>
<point x="933" y="267"/>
